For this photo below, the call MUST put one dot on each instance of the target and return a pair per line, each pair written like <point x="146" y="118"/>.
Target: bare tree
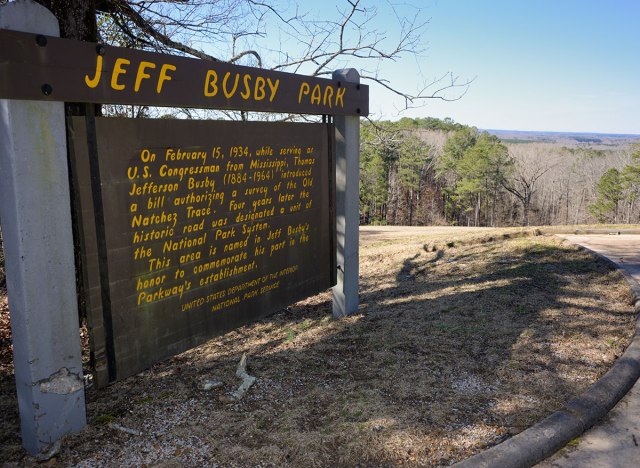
<point x="276" y="35"/>
<point x="531" y="163"/>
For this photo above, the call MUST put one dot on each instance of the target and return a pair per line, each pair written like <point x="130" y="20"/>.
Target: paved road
<point x="623" y="249"/>
<point x="382" y="233"/>
<point x="614" y="442"/>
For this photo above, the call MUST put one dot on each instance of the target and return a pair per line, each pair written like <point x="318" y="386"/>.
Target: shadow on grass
<point x="451" y="352"/>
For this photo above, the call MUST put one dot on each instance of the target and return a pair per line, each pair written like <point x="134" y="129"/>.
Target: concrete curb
<point x="542" y="440"/>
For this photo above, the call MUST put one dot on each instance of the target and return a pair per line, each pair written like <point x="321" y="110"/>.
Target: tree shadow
<point x="442" y="360"/>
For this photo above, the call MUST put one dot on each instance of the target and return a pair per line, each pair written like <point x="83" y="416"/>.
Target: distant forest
<point x="428" y="171"/>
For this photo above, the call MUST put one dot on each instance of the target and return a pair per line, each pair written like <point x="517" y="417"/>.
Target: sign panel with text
<point x="208" y="225"/>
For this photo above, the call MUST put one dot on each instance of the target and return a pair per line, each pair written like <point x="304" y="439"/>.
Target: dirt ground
<point x="462" y="340"/>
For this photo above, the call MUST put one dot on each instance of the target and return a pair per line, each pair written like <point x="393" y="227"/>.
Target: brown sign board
<point x="207" y="225"/>
<point x="38" y="67"/>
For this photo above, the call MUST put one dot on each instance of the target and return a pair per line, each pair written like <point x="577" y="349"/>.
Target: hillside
<point x="429" y="172"/>
<point x="564" y="138"/>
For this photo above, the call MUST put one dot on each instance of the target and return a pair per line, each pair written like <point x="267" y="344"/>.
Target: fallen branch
<point x="126" y="430"/>
<point x="247" y="380"/>
<point x="210" y="384"/>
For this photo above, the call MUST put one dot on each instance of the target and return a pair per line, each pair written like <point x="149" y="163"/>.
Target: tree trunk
<point x="525" y="212"/>
<point x="410" y="207"/>
<point x="77" y="18"/>
<point x="579" y="206"/>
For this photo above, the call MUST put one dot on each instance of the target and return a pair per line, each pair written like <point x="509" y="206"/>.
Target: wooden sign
<point x="38" y="67"/>
<point x="207" y="225"/>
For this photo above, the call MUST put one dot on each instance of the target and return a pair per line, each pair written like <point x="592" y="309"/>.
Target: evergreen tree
<point x="413" y="161"/>
<point x="630" y="181"/>
<point x="609" y="190"/>
<point x="374" y="191"/>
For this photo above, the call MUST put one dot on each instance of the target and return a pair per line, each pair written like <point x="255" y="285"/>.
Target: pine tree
<point x="609" y="190"/>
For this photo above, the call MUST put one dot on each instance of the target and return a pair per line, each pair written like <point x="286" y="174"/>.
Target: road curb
<point x="542" y="440"/>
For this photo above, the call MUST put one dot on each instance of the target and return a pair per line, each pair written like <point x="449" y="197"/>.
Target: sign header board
<point x="38" y="67"/>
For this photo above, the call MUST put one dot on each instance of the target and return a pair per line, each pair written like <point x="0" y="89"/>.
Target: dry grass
<point x="454" y="349"/>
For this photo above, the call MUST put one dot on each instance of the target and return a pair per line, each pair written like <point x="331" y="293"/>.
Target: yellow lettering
<point x="229" y="94"/>
<point x="259" y="93"/>
<point x="92" y="83"/>
<point x="164" y="76"/>
<point x="247" y="90"/>
<point x="316" y="95"/>
<point x="117" y="71"/>
<point x="273" y="87"/>
<point x="328" y="94"/>
<point x="340" y="97"/>
<point x="141" y="74"/>
<point x="210" y="86"/>
<point x="304" y="90"/>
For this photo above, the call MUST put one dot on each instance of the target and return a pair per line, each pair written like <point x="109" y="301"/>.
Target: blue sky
<point x="547" y="65"/>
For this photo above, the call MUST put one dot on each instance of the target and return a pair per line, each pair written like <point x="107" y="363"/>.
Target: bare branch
<point x="124" y="8"/>
<point x="247" y="52"/>
<point x="283" y="38"/>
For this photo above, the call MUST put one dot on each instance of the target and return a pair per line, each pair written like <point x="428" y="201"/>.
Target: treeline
<point x="429" y="171"/>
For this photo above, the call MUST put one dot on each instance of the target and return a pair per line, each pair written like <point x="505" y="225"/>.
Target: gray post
<point x="35" y="212"/>
<point x="345" y="292"/>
